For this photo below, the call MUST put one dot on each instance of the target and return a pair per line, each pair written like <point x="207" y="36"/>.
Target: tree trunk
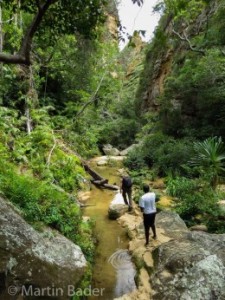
<point x="1" y="33"/>
<point x="28" y="120"/>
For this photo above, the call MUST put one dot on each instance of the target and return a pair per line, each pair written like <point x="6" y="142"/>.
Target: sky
<point x="134" y="17"/>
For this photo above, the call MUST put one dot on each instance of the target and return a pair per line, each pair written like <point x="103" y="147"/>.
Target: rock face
<point x="190" y="266"/>
<point x="179" y="265"/>
<point x="36" y="260"/>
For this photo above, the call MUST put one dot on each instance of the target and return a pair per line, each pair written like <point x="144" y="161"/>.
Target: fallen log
<point x="100" y="182"/>
<point x="106" y="186"/>
<point x="111" y="186"/>
<point x="90" y="171"/>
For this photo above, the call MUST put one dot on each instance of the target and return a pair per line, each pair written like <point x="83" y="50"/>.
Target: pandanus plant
<point x="210" y="157"/>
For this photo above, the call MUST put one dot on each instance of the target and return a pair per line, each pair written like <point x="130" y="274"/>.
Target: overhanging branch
<point x="23" y="56"/>
<point x="185" y="38"/>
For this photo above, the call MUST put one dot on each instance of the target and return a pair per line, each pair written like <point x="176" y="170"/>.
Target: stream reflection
<point x="126" y="272"/>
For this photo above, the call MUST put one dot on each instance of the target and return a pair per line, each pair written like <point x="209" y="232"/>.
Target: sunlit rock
<point x="103" y="162"/>
<point x="117" y="207"/>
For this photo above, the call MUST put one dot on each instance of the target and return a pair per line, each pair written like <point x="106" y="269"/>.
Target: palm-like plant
<point x="210" y="156"/>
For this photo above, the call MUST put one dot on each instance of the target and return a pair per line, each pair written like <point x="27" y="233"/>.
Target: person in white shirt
<point x="148" y="207"/>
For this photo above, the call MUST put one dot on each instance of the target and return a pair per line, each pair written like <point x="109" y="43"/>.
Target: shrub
<point x="210" y="157"/>
<point x="172" y="157"/>
<point x="119" y="132"/>
<point x="135" y="160"/>
<point x="194" y="197"/>
<point x="165" y="154"/>
<point x="179" y="187"/>
<point x="41" y="202"/>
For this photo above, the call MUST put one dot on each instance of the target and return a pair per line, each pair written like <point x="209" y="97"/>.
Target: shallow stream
<point x="113" y="270"/>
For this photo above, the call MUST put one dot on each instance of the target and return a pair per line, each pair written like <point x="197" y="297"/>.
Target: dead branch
<point x="92" y="100"/>
<point x="23" y="56"/>
<point x="51" y="151"/>
<point x="7" y="21"/>
<point x="185" y="38"/>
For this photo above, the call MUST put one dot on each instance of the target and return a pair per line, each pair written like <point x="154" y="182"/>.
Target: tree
<point x="60" y="16"/>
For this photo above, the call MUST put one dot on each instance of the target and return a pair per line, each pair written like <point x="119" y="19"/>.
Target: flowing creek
<point x="113" y="270"/>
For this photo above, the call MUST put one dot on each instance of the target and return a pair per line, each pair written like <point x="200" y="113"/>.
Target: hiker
<point x="126" y="190"/>
<point x="148" y="207"/>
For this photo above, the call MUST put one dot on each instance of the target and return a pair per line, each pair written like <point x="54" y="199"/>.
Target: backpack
<point x="126" y="182"/>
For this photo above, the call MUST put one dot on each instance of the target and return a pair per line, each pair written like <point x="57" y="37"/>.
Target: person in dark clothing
<point x="126" y="190"/>
<point x="148" y="207"/>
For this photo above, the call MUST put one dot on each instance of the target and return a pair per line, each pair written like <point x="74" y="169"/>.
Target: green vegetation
<point x="183" y="78"/>
<point x="50" y="112"/>
<point x="73" y="93"/>
<point x="210" y="157"/>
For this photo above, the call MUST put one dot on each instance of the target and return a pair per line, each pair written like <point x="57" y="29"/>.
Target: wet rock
<point x="182" y="264"/>
<point x="35" y="259"/>
<point x="117" y="210"/>
<point x="84" y="196"/>
<point x="117" y="207"/>
<point x="86" y="219"/>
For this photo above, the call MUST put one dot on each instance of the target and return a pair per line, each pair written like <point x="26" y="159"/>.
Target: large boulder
<point x="189" y="266"/>
<point x="117" y="207"/>
<point x="172" y="224"/>
<point x="181" y="264"/>
<point x="117" y="210"/>
<point x="110" y="150"/>
<point x="37" y="260"/>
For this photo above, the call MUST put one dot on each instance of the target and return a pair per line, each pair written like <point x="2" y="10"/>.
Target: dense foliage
<point x="50" y="112"/>
<point x="182" y="90"/>
<point x="80" y="93"/>
<point x="70" y="95"/>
